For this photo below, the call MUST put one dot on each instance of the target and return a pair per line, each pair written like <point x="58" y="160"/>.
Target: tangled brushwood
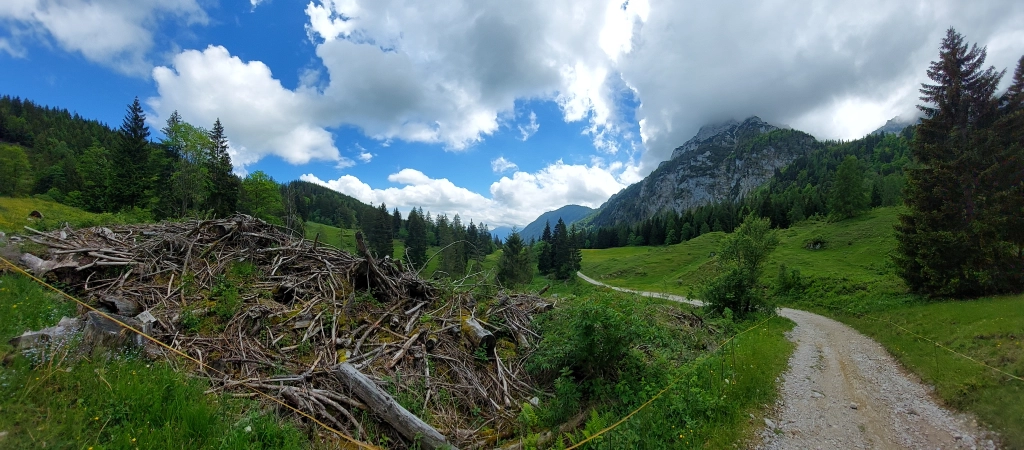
<point x="335" y="335"/>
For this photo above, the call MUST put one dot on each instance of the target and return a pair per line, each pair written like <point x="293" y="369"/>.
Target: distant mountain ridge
<point x="896" y="125"/>
<point x="569" y="214"/>
<point x="722" y="161"/>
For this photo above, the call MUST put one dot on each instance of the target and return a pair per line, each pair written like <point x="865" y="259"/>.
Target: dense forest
<point x="54" y="155"/>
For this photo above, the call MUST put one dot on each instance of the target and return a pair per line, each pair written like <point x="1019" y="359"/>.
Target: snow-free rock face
<point x="896" y="125"/>
<point x="722" y="162"/>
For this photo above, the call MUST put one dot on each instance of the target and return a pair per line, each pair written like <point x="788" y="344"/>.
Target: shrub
<point x="740" y="262"/>
<point x="590" y="337"/>
<point x="789" y="282"/>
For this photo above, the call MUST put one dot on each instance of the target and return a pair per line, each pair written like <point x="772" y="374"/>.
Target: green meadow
<point x="843" y="271"/>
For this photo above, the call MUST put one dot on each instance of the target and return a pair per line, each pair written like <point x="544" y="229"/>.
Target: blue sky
<point x="494" y="110"/>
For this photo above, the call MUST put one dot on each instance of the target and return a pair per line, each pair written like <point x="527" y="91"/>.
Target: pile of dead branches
<point x="298" y="320"/>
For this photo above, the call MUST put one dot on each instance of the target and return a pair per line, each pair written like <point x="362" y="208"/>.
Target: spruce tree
<point x="224" y="184"/>
<point x="564" y="252"/>
<point x="514" y="266"/>
<point x="545" y="253"/>
<point x="396" y="222"/>
<point x="131" y="171"/>
<point x="950" y="242"/>
<point x="416" y="243"/>
<point x="381" y="237"/>
<point x="848" y="197"/>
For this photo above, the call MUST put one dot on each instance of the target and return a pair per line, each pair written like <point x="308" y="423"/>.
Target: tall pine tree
<point x="131" y="171"/>
<point x="545" y="251"/>
<point x="514" y="266"/>
<point x="416" y="243"/>
<point x="224" y="184"/>
<point x="947" y="243"/>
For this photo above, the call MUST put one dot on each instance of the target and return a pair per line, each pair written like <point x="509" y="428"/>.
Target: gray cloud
<point x="836" y="69"/>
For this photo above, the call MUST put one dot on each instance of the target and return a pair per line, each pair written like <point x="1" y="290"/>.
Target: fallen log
<point x="36" y="265"/>
<point x="477" y="335"/>
<point x="385" y="406"/>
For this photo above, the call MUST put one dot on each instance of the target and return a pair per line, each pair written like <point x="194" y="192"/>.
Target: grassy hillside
<point x="846" y="275"/>
<point x="14" y="215"/>
<point x="671" y="268"/>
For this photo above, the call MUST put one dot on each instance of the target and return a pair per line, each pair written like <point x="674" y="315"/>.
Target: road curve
<point x="844" y="391"/>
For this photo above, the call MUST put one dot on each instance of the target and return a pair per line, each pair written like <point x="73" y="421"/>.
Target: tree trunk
<point x="477" y="335"/>
<point x="388" y="409"/>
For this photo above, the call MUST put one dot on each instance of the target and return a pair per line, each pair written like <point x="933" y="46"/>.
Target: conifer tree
<point x="416" y="243"/>
<point x="131" y="172"/>
<point x="381" y="236"/>
<point x="848" y="197"/>
<point x="545" y="251"/>
<point x="396" y="222"/>
<point x="514" y="267"/>
<point x="951" y="242"/>
<point x="565" y="262"/>
<point x="224" y="184"/>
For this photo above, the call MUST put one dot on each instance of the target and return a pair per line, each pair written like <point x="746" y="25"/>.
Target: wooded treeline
<point x="53" y="154"/>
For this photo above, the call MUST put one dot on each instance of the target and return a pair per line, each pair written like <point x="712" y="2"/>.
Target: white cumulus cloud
<point x="422" y="72"/>
<point x="115" y="33"/>
<point x="525" y="131"/>
<point x="261" y="117"/>
<point x="500" y="164"/>
<point x="513" y="201"/>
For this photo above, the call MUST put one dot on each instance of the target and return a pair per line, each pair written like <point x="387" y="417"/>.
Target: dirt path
<point x="844" y="391"/>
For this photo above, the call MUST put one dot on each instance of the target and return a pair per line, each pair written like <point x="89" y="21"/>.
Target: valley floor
<point x="843" y="390"/>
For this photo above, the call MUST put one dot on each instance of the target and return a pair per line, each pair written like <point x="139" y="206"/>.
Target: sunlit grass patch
<point x="14" y="215"/>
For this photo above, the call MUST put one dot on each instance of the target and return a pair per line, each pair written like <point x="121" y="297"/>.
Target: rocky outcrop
<point x="722" y="162"/>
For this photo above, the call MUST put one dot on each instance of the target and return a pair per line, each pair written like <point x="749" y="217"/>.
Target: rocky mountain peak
<point x="724" y="161"/>
<point x="896" y="125"/>
<point x="724" y="134"/>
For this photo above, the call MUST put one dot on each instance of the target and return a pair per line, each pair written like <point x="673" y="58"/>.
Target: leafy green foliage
<point x="589" y="337"/>
<point x="15" y="172"/>
<point x="261" y="197"/>
<point x="849" y="196"/>
<point x="741" y="260"/>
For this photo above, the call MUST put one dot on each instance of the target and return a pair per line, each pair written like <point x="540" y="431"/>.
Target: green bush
<point x="590" y="337"/>
<point x="789" y="282"/>
<point x="740" y="262"/>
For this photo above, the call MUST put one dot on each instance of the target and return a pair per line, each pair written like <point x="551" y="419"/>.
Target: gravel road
<point x="844" y="391"/>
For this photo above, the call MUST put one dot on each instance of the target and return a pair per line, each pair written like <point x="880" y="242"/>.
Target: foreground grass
<point x="849" y="278"/>
<point x="711" y="391"/>
<point x="120" y="402"/>
<point x="711" y="406"/>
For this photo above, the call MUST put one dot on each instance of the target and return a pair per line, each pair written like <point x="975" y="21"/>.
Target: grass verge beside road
<point x="844" y="273"/>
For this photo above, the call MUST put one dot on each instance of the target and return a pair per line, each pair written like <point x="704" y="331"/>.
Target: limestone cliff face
<point x="723" y="161"/>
